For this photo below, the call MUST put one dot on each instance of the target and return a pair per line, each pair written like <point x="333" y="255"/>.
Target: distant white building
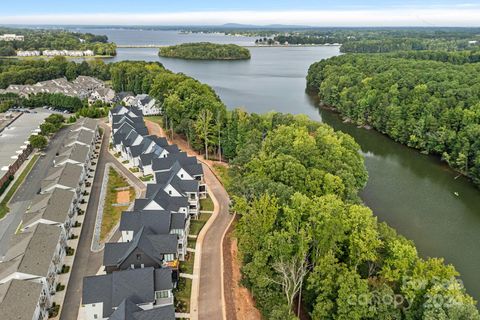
<point x="31" y="53"/>
<point x="69" y="53"/>
<point x="11" y="37"/>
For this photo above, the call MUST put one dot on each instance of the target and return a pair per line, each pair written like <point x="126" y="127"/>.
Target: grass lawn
<point x="111" y="214"/>
<point x="148" y="177"/>
<point x="191" y="243"/>
<point x="222" y="173"/>
<point x="156" y="119"/>
<point x="206" y="204"/>
<point x="187" y="265"/>
<point x="197" y="225"/>
<point x="16" y="183"/>
<point x="182" y="295"/>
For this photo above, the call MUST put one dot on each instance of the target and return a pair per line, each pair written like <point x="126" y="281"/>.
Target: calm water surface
<point x="413" y="193"/>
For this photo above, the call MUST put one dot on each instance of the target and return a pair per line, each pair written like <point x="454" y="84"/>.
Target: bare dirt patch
<point x="123" y="196"/>
<point x="240" y="304"/>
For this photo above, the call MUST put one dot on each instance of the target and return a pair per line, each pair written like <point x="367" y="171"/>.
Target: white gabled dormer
<point x="172" y="191"/>
<point x="182" y="174"/>
<point x="163" y="154"/>
<point x="138" y="140"/>
<point x="153" y="206"/>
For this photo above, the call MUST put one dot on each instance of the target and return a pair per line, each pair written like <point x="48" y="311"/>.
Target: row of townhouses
<point x="11" y="37"/>
<point x="142" y="269"/>
<point x="83" y="87"/>
<point x="29" y="269"/>
<point x="55" y="53"/>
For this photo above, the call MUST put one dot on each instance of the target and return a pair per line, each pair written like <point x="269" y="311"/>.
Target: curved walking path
<point x="207" y="297"/>
<point x="209" y="287"/>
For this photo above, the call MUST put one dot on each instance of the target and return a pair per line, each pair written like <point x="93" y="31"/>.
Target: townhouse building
<point x="36" y="252"/>
<point x="147" y="249"/>
<point x="158" y="222"/>
<point x="35" y="256"/>
<point x="20" y="300"/>
<point x="149" y="289"/>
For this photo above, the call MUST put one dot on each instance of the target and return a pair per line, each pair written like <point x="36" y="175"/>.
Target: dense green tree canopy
<point x="428" y="105"/>
<point x="35" y="39"/>
<point x="205" y="51"/>
<point x="297" y="205"/>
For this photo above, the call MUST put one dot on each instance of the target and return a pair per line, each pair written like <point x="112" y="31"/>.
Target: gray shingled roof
<point x="156" y="193"/>
<point x="153" y="245"/>
<point x="77" y="152"/>
<point x="20" y="299"/>
<point x="177" y="221"/>
<point x="157" y="221"/>
<point x="58" y="205"/>
<point x="146" y="158"/>
<point x="161" y="141"/>
<point x="171" y="178"/>
<point x="67" y="175"/>
<point x="176" y="161"/>
<point x="161" y="313"/>
<point x="90" y="123"/>
<point x="163" y="279"/>
<point x="138" y="285"/>
<point x="40" y="251"/>
<point x="39" y="202"/>
<point x="125" y="311"/>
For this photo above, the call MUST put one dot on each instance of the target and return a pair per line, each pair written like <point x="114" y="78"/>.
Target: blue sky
<point x="313" y="12"/>
<point x="148" y="6"/>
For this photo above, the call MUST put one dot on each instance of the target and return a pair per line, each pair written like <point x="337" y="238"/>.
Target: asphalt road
<point x="28" y="189"/>
<point x="210" y="292"/>
<point x="86" y="262"/>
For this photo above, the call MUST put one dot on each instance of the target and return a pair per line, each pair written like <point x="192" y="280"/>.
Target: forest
<point x="55" y="39"/>
<point x="380" y="40"/>
<point x="303" y="234"/>
<point x="428" y="105"/>
<point x="205" y="51"/>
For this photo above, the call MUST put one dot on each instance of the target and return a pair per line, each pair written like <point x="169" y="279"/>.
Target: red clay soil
<point x="240" y="304"/>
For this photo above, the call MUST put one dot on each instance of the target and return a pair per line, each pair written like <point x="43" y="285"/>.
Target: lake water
<point x="413" y="193"/>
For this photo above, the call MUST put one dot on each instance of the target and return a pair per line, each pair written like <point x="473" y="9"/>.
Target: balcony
<point x="171" y="264"/>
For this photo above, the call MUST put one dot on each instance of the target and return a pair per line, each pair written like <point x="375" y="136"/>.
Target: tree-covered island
<point x="205" y="51"/>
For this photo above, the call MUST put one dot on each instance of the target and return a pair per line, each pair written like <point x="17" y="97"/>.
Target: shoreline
<point x="48" y="57"/>
<point x="133" y="46"/>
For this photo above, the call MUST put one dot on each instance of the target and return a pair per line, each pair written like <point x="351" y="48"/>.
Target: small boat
<point x="456" y="193"/>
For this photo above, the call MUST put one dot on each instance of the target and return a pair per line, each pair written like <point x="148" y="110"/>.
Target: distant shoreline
<point x="133" y="46"/>
<point x="51" y="57"/>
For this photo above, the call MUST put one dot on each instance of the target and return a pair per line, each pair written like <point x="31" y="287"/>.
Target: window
<point x="162" y="294"/>
<point x="169" y="257"/>
<point x="95" y="316"/>
<point x="181" y="176"/>
<point x="139" y="256"/>
<point x="169" y="191"/>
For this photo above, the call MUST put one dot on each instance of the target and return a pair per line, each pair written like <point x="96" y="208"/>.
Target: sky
<point x="261" y="12"/>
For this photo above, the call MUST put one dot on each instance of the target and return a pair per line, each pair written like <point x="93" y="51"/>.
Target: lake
<point x="412" y="192"/>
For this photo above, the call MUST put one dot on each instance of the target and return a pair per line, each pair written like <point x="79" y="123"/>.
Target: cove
<point x="413" y="193"/>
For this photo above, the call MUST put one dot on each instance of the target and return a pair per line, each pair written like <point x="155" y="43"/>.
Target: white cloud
<point x="456" y="16"/>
